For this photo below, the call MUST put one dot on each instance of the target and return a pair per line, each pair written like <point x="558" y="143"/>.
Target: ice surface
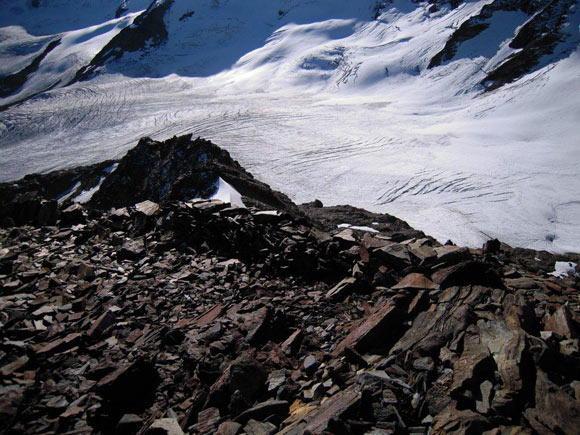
<point x="325" y="102"/>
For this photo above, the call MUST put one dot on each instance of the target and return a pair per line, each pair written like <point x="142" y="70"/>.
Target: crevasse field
<point x="319" y="100"/>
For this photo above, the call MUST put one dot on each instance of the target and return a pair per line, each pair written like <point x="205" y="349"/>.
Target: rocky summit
<point x="133" y="302"/>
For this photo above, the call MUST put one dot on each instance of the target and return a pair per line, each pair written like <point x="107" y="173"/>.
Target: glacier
<point x="332" y="100"/>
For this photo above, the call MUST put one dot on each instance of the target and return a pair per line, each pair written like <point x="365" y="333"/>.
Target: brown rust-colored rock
<point x="341" y="290"/>
<point x="468" y="273"/>
<point x="555" y="410"/>
<point x="245" y="375"/>
<point x="415" y="281"/>
<point x="377" y="331"/>
<point x="316" y="420"/>
<point x="561" y="323"/>
<point x="210" y="315"/>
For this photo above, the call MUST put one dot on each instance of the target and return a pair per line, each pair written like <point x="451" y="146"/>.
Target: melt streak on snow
<point x="319" y="100"/>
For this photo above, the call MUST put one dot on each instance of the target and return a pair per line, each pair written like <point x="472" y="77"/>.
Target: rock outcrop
<point x="185" y="315"/>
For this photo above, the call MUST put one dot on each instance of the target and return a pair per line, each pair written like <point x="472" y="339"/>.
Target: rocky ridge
<point x="173" y="314"/>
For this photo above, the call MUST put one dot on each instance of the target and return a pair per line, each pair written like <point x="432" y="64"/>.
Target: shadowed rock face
<point x="177" y="169"/>
<point x="148" y="28"/>
<point x="13" y="82"/>
<point x="538" y="37"/>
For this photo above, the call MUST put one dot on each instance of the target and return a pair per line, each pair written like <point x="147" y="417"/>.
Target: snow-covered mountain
<point x="460" y="117"/>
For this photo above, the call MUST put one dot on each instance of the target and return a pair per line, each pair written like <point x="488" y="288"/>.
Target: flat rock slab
<point x="468" y="273"/>
<point x="265" y="409"/>
<point x="165" y="426"/>
<point x="416" y="281"/>
<point x="341" y="290"/>
<point x="228" y="428"/>
<point x="148" y="208"/>
<point x="375" y="331"/>
<point x="561" y="323"/>
<point x="316" y="420"/>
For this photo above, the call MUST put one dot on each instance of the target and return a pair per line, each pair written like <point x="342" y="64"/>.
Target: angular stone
<point x="468" y="273"/>
<point x="47" y="212"/>
<point x="208" y="420"/>
<point x="10" y="399"/>
<point x="509" y="430"/>
<point x="449" y="255"/>
<point x="15" y="365"/>
<point x="292" y="344"/>
<point x="377" y="331"/>
<point x="454" y="421"/>
<point x="483" y="405"/>
<point x="276" y="379"/>
<point x="228" y="428"/>
<point x="209" y="206"/>
<point x="310" y="364"/>
<point x="523" y="283"/>
<point x="258" y="325"/>
<point x="437" y="397"/>
<point x="473" y="366"/>
<point x="424" y="364"/>
<point x="86" y="272"/>
<point x="561" y="323"/>
<point x="268" y="216"/>
<point x="73" y="214"/>
<point x="131" y="250"/>
<point x="373" y="376"/>
<point x="419" y="303"/>
<point x="316" y="420"/>
<point x="129" y="424"/>
<point x="396" y="255"/>
<point x="508" y="348"/>
<point x="422" y="250"/>
<point x="354" y="357"/>
<point x="148" y="208"/>
<point x="491" y="246"/>
<point x="57" y="403"/>
<point x="346" y="236"/>
<point x="316" y="392"/>
<point x="129" y="389"/>
<point x="343" y="289"/>
<point x="261" y="411"/>
<point x="570" y="347"/>
<point x="416" y="281"/>
<point x="555" y="410"/>
<point x="245" y="375"/>
<point x="165" y="426"/>
<point x="210" y="315"/>
<point x="104" y="321"/>
<point x="60" y="344"/>
<point x="254" y="427"/>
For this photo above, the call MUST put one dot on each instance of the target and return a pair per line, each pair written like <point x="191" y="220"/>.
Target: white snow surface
<point x="563" y="269"/>
<point x="358" y="228"/>
<point x="320" y="101"/>
<point x="228" y="194"/>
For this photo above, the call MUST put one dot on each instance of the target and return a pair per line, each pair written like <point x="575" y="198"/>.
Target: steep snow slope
<point x="322" y="100"/>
